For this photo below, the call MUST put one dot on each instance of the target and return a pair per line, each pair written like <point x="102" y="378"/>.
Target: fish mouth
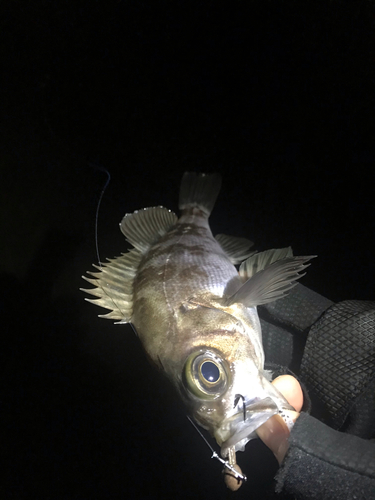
<point x="239" y="428"/>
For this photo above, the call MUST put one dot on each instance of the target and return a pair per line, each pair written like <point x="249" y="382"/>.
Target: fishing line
<point x="215" y="455"/>
<point x="102" y="169"/>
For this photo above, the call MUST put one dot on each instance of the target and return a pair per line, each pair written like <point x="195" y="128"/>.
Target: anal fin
<point x="236" y="249"/>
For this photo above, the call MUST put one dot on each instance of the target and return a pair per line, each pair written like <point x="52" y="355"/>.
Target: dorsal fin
<point x="261" y="260"/>
<point x="144" y="227"/>
<point x="236" y="249"/>
<point x="114" y="285"/>
<point x="271" y="283"/>
<point x="199" y="190"/>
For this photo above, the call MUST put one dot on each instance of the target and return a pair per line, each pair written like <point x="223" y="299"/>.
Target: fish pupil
<point x="210" y="371"/>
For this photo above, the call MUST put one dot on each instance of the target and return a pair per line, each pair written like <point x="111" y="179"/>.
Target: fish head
<point x="220" y="372"/>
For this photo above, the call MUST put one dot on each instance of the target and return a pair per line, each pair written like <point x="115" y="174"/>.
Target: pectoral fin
<point x="271" y="283"/>
<point x="261" y="260"/>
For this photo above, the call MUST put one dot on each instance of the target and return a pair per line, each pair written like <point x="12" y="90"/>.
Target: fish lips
<point x="242" y="426"/>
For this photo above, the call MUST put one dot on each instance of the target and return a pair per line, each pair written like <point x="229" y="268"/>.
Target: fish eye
<point x="210" y="371"/>
<point x="205" y="375"/>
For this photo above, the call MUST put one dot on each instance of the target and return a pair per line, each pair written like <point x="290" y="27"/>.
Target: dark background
<point x="277" y="96"/>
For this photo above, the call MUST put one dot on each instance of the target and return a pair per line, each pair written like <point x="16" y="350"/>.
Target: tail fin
<point x="199" y="190"/>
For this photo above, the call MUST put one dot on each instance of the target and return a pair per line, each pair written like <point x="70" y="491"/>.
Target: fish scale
<point x="188" y="260"/>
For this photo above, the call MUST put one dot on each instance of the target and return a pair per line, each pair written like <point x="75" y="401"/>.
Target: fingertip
<point x="291" y="389"/>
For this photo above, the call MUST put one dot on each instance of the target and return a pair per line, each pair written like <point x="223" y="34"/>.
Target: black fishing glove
<point x="331" y="348"/>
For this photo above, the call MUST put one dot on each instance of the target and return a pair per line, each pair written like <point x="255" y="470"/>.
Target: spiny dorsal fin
<point x="199" y="190"/>
<point x="114" y="283"/>
<point x="144" y="227"/>
<point x="261" y="260"/>
<point x="237" y="249"/>
<point x="271" y="283"/>
<point x="114" y="286"/>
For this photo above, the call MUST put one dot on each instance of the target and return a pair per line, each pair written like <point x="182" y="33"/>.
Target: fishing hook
<point x="237" y="397"/>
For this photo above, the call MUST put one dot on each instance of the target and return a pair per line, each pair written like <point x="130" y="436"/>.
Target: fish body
<point x="196" y="314"/>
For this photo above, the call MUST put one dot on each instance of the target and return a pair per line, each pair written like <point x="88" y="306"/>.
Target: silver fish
<point x="196" y="314"/>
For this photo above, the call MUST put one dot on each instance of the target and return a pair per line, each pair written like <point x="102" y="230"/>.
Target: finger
<point x="291" y="389"/>
<point x="275" y="432"/>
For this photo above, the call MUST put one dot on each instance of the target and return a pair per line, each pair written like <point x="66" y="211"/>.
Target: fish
<point x="195" y="311"/>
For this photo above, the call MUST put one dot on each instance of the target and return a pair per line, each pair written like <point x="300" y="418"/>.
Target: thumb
<point x="275" y="432"/>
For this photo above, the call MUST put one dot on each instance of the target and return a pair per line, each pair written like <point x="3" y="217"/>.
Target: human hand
<point x="275" y="432"/>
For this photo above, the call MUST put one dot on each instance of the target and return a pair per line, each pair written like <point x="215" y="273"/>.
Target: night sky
<point x="277" y="96"/>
